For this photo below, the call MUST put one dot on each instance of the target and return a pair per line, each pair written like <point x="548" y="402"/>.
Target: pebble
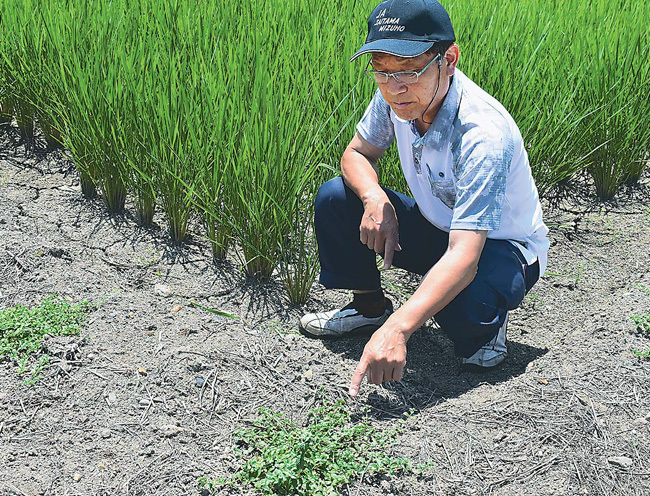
<point x="142" y="371"/>
<point x="105" y="433"/>
<point x="309" y="375"/>
<point x="177" y="308"/>
<point x="76" y="477"/>
<point x="162" y="290"/>
<point x="101" y="466"/>
<point x="91" y="356"/>
<point x="112" y="398"/>
<point x="620" y="461"/>
<point x="200" y="381"/>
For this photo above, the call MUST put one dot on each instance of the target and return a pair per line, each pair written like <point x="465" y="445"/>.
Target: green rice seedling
<point x="331" y="450"/>
<point x="26" y="58"/>
<point x="51" y="133"/>
<point x="22" y="331"/>
<point x="299" y="265"/>
<point x="130" y="139"/>
<point x="88" y="89"/>
<point x="215" y="178"/>
<point x="298" y="258"/>
<point x="173" y="134"/>
<point x="6" y="108"/>
<point x="25" y="120"/>
<point x="218" y="230"/>
<point x="6" y="103"/>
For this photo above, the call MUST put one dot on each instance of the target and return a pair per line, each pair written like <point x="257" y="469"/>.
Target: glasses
<point x="403" y="77"/>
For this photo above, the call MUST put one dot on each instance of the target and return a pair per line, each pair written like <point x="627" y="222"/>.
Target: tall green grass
<point x="232" y="114"/>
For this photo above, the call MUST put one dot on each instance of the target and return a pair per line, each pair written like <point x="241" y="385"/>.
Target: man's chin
<point x="405" y="114"/>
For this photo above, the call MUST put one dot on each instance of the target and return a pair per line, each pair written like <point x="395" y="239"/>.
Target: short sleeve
<point x="376" y="126"/>
<point x="482" y="171"/>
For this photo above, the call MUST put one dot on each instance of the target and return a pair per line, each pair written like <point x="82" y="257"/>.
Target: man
<point x="474" y="228"/>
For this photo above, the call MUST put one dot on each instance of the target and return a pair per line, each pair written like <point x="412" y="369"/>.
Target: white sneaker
<point x="342" y="322"/>
<point x="492" y="353"/>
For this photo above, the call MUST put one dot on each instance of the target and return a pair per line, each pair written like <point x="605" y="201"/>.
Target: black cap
<point x="406" y="28"/>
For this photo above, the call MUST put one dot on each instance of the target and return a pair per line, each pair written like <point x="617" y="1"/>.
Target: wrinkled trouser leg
<point x="473" y="317"/>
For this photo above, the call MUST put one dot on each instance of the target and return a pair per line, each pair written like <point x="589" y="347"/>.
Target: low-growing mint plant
<point x="282" y="458"/>
<point x="22" y="331"/>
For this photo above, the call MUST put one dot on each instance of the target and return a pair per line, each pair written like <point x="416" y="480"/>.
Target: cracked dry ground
<point x="119" y="411"/>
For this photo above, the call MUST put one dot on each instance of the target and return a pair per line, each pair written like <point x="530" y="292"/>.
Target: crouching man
<point x="474" y="226"/>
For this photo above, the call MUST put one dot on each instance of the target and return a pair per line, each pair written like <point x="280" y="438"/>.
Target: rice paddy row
<point x="236" y="112"/>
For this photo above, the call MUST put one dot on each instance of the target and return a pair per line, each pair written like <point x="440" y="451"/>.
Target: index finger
<point x="357" y="377"/>
<point x="389" y="251"/>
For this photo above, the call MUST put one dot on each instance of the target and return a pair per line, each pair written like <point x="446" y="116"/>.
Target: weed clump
<point x="23" y="329"/>
<point x="642" y="323"/>
<point x="282" y="458"/>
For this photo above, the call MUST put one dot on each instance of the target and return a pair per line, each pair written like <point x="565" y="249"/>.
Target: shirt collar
<point x="439" y="131"/>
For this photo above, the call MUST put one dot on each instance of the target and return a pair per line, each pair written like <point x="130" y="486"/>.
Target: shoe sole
<point x="478" y="369"/>
<point x="359" y="331"/>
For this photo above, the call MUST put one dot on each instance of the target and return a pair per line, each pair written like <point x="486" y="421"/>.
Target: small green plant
<point x="22" y="331"/>
<point x="331" y="450"/>
<point x="642" y="353"/>
<point x="642" y="323"/>
<point x="533" y="300"/>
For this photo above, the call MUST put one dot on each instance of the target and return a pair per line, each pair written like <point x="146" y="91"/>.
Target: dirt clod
<point x="163" y="290"/>
<point x="170" y="430"/>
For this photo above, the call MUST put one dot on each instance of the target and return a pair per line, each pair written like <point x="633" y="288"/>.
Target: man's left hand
<point x="383" y="359"/>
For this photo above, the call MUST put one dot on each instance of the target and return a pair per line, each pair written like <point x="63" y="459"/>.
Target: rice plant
<point x="225" y="110"/>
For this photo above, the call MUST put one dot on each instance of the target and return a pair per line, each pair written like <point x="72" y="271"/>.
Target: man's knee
<point x="472" y="318"/>
<point x="330" y="193"/>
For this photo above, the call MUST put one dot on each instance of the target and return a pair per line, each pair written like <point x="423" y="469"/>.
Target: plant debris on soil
<point x="148" y="398"/>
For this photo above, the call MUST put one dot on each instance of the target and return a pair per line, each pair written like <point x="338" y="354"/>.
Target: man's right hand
<point x="379" y="229"/>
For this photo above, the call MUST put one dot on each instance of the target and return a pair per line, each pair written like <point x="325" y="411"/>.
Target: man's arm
<point x="384" y="356"/>
<point x="379" y="228"/>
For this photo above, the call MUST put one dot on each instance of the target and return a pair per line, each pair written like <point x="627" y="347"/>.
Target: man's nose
<point x="395" y="87"/>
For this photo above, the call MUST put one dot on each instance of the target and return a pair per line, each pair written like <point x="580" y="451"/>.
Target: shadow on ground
<point x="433" y="373"/>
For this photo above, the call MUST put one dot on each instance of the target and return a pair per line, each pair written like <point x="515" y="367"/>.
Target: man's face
<point x="408" y="101"/>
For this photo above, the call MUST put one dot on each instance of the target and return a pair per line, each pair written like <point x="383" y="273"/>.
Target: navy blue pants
<point x="473" y="317"/>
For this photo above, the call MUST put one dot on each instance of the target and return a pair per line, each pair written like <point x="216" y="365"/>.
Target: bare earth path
<point x="120" y="412"/>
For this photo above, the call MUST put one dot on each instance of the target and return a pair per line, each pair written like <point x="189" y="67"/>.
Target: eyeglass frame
<point x="395" y="75"/>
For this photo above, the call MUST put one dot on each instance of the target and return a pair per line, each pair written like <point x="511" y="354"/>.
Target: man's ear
<point x="451" y="58"/>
